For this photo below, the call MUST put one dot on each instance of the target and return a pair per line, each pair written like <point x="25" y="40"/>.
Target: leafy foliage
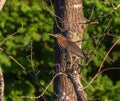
<point x="24" y="25"/>
<point x="100" y="41"/>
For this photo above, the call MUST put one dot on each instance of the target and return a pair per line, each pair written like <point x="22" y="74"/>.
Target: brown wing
<point x="74" y="49"/>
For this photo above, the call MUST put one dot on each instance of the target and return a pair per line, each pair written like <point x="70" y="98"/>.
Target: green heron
<point x="68" y="45"/>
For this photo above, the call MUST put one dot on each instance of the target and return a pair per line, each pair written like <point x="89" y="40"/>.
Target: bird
<point x="68" y="45"/>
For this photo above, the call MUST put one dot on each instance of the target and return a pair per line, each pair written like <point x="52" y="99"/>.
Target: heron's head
<point x="58" y="36"/>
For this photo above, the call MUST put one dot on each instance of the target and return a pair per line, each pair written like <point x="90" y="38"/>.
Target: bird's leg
<point x="73" y="64"/>
<point x="58" y="68"/>
<point x="73" y="60"/>
<point x="68" y="59"/>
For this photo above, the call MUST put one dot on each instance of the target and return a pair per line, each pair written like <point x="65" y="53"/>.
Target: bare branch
<point x="108" y="54"/>
<point x="97" y="74"/>
<point x="41" y="95"/>
<point x="2" y="2"/>
<point x="101" y="71"/>
<point x="11" y="35"/>
<point x="1" y="86"/>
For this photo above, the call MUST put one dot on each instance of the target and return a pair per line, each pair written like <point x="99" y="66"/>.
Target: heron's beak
<point x="53" y="35"/>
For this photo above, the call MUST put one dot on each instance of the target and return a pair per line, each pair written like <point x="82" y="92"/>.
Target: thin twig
<point x="99" y="70"/>
<point x="93" y="7"/>
<point x="104" y="34"/>
<point x="36" y="97"/>
<point x="11" y="35"/>
<point x="107" y="14"/>
<point x="55" y="16"/>
<point x="108" y="54"/>
<point x="96" y="75"/>
<point x="112" y="35"/>
<point x="11" y="57"/>
<point x="31" y="56"/>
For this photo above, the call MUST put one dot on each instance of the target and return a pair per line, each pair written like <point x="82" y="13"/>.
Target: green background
<point x="24" y="28"/>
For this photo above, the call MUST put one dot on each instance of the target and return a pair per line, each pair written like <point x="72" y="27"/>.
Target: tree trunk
<point x="68" y="22"/>
<point x="2" y="2"/>
<point x="1" y="86"/>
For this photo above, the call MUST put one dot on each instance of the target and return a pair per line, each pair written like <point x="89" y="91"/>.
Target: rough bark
<point x="68" y="19"/>
<point x="1" y="86"/>
<point x="2" y="2"/>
